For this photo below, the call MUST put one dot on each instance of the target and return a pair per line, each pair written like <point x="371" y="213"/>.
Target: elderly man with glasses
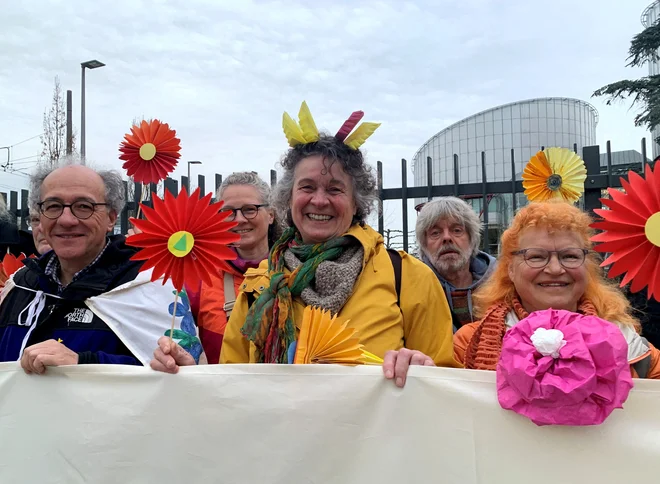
<point x="44" y="320"/>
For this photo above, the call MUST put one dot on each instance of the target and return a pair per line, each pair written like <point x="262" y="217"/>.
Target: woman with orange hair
<point x="546" y="262"/>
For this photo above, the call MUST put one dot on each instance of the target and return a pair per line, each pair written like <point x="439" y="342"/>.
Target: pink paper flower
<point x="563" y="368"/>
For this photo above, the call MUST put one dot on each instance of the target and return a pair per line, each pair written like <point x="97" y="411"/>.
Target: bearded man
<point x="449" y="235"/>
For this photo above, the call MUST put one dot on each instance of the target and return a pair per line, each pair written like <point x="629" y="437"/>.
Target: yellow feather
<point x="307" y="124"/>
<point x="360" y="135"/>
<point x="292" y="131"/>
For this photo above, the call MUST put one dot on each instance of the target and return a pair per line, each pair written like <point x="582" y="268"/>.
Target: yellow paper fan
<point x="361" y="134"/>
<point x="307" y="124"/>
<point x="324" y="339"/>
<point x="292" y="131"/>
<point x="554" y="173"/>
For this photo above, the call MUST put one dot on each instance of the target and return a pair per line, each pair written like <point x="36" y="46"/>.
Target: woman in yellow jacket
<point x="329" y="258"/>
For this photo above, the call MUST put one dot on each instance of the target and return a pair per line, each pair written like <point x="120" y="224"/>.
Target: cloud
<point x="222" y="72"/>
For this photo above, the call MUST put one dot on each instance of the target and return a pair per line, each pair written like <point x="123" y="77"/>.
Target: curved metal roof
<point x="645" y="15"/>
<point x="527" y="101"/>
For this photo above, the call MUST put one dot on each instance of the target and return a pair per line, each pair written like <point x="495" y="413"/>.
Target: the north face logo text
<point x="80" y="315"/>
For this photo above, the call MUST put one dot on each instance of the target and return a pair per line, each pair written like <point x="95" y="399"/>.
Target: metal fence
<point x="484" y="192"/>
<point x="598" y="178"/>
<point x="21" y="212"/>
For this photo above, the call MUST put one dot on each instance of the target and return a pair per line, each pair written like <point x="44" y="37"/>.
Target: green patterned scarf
<point x="269" y="323"/>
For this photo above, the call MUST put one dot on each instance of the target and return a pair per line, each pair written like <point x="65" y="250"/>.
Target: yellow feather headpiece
<point x="306" y="131"/>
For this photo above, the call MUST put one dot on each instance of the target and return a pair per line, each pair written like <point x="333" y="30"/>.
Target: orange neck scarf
<point x="483" y="351"/>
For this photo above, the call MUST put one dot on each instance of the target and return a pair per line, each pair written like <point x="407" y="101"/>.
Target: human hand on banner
<point x="396" y="363"/>
<point x="37" y="357"/>
<point x="169" y="356"/>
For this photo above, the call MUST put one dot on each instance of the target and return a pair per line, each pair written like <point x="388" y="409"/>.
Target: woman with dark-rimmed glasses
<point x="546" y="262"/>
<point x="246" y="196"/>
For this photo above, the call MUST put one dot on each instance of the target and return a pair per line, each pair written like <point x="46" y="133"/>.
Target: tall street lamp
<point x="194" y="162"/>
<point x="92" y="64"/>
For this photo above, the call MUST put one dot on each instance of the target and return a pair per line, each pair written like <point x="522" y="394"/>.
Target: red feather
<point x="348" y="125"/>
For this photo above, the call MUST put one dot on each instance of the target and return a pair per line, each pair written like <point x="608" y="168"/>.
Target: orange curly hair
<point x="609" y="301"/>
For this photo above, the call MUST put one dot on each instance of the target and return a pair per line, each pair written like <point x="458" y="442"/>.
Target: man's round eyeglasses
<point x="249" y="211"/>
<point x="539" y="258"/>
<point x="80" y="209"/>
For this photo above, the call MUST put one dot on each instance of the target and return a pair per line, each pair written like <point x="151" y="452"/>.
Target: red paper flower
<point x="632" y="232"/>
<point x="184" y="238"/>
<point x="11" y="263"/>
<point x="150" y="151"/>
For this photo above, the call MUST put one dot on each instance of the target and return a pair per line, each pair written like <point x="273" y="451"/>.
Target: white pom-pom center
<point x="548" y="342"/>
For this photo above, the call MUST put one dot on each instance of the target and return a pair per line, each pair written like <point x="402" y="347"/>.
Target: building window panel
<point x="534" y="110"/>
<point x="463" y="146"/>
<point x="524" y="111"/>
<point x="559" y="126"/>
<point x="506" y="112"/>
<point x="534" y="141"/>
<point x="525" y="139"/>
<point x="525" y="125"/>
<point x="507" y="140"/>
<point x="481" y="129"/>
<point x="472" y="174"/>
<point x="481" y="143"/>
<point x="472" y="144"/>
<point x="507" y="127"/>
<point x="489" y="128"/>
<point x="515" y="111"/>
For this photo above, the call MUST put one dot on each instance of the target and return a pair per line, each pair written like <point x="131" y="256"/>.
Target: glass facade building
<point x="525" y="127"/>
<point x="649" y="17"/>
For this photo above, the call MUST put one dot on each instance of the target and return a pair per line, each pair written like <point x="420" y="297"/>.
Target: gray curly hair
<point x="451" y="208"/>
<point x="331" y="149"/>
<point x="114" y="185"/>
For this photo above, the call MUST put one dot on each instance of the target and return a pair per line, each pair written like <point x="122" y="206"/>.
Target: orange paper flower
<point x="554" y="173"/>
<point x="150" y="151"/>
<point x="631" y="232"/>
<point x="184" y="238"/>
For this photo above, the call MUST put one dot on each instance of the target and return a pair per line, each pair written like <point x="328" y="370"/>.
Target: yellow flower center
<point x="181" y="243"/>
<point x="652" y="229"/>
<point x="147" y="151"/>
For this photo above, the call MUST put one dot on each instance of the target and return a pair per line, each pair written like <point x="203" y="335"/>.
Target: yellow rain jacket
<point x="422" y="323"/>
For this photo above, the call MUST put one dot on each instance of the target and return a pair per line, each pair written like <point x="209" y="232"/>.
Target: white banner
<point x="303" y="424"/>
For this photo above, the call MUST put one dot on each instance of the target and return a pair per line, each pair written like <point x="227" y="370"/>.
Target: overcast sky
<point x="222" y="72"/>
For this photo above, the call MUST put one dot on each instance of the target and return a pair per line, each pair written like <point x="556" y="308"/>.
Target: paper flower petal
<point x="554" y="173"/>
<point x="292" y="131"/>
<point x="631" y="232"/>
<point x="150" y="151"/>
<point x="582" y="386"/>
<point x="11" y="263"/>
<point x="176" y="240"/>
<point x="323" y="339"/>
<point x="307" y="124"/>
<point x="361" y="134"/>
<point x="349" y="124"/>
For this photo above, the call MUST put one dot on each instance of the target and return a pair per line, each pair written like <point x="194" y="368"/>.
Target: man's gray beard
<point x="444" y="268"/>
